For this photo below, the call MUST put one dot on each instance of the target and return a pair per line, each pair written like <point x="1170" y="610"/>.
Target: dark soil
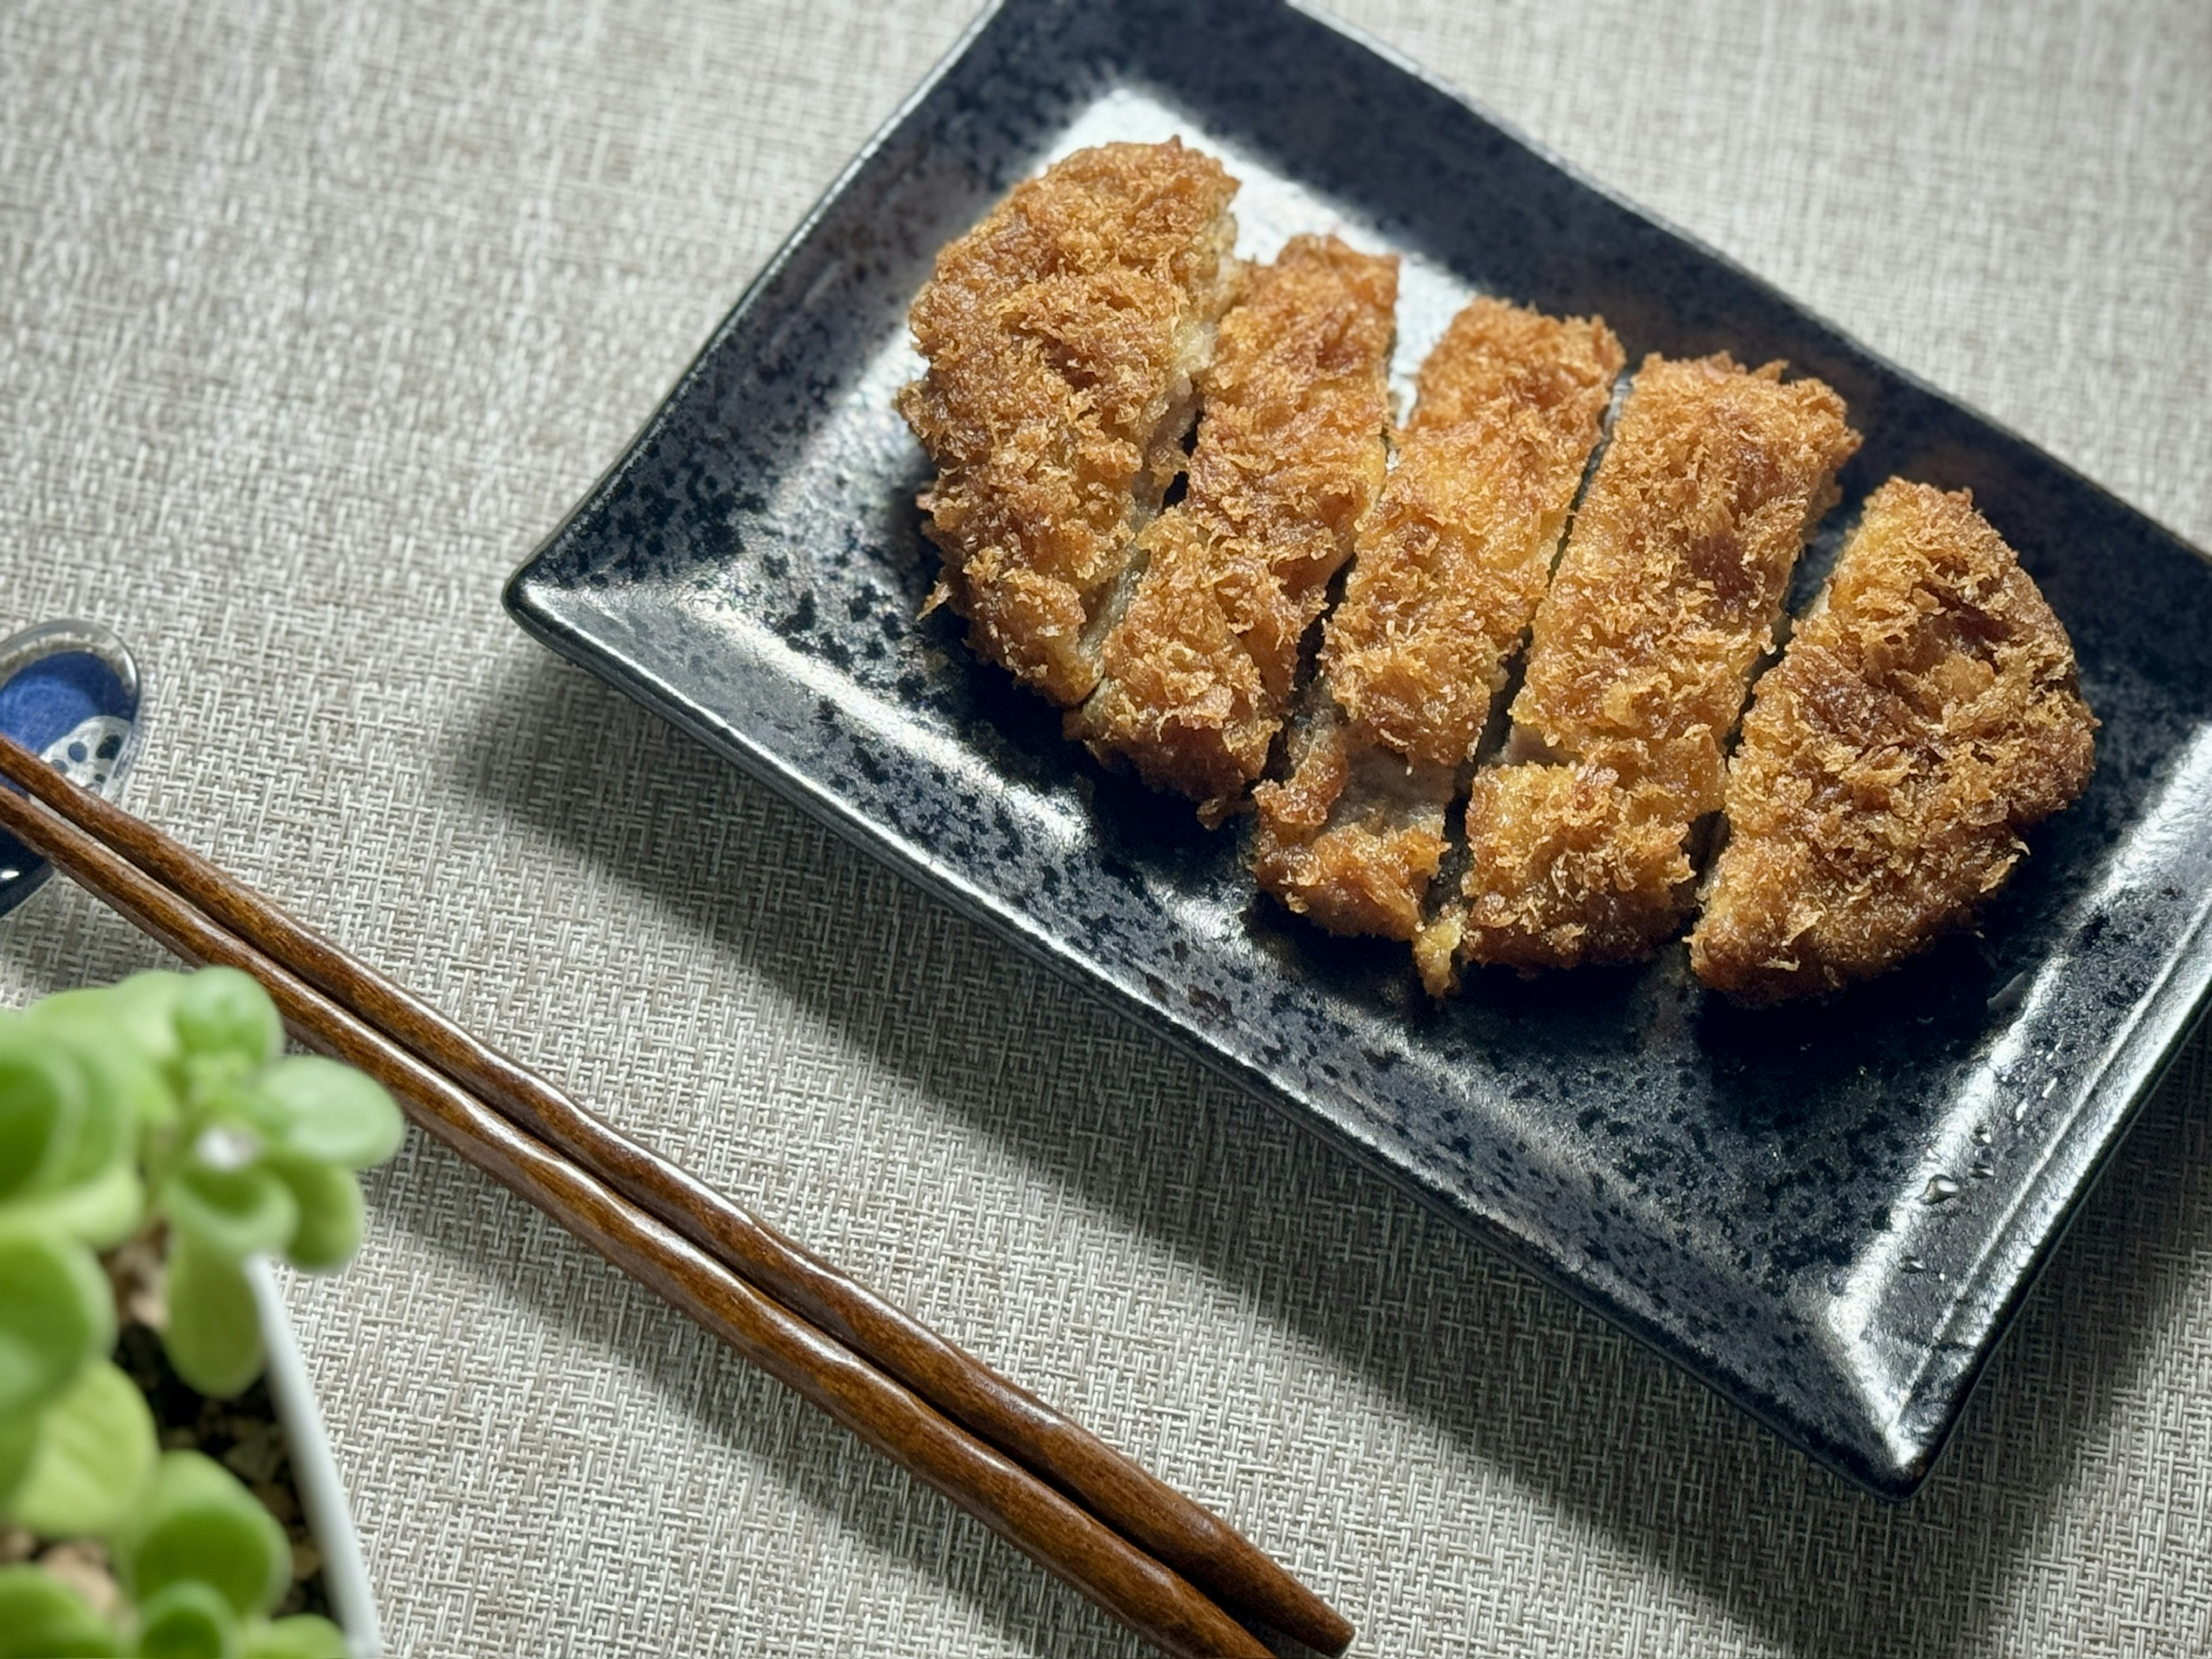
<point x="244" y="1436"/>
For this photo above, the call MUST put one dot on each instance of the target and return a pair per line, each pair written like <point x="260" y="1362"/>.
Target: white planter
<point x="315" y="1472"/>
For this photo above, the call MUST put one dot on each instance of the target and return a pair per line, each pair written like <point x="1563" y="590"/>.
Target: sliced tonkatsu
<point x="1094" y="341"/>
<point x="1926" y="713"/>
<point x="1665" y="598"/>
<point x="1198" y="669"/>
<point x="1448" y="568"/>
<point x="1065" y="336"/>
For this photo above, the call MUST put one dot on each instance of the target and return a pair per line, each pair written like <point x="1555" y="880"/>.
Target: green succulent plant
<point x="163" y="1102"/>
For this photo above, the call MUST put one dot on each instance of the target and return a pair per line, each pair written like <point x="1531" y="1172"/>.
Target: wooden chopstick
<point x="1131" y="1585"/>
<point x="1181" y="1533"/>
<point x="412" y="1044"/>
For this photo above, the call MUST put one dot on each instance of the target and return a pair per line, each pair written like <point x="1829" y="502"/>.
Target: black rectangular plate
<point x="1829" y="1215"/>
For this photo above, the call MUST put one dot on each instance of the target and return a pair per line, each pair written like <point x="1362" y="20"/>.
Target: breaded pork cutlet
<point x="1665" y="598"/>
<point x="1926" y="713"/>
<point x="1448" y="570"/>
<point x="1290" y="455"/>
<point x="1064" y="337"/>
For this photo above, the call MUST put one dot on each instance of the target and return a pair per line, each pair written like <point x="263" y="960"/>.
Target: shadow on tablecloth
<point x="1530" y="1384"/>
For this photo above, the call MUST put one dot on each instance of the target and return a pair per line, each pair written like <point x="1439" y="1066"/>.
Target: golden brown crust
<point x="1667" y="596"/>
<point x="1352" y="838"/>
<point x="1578" y="868"/>
<point x="1670" y="590"/>
<point x="1062" y="336"/>
<point x="1290" y="455"/>
<point x="1926" y="713"/>
<point x="1450" y="566"/>
<point x="1454" y="558"/>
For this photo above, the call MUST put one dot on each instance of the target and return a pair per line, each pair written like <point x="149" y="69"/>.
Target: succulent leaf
<point x="303" y="1636"/>
<point x="19" y="1439"/>
<point x="117" y="1069"/>
<point x="235" y="1212"/>
<point x="198" y="1523"/>
<point x="42" y="1110"/>
<point x="222" y="1012"/>
<point x="190" y="1620"/>
<point x="330" y="1214"/>
<point x="100" y="1213"/>
<point x="95" y="1453"/>
<point x="313" y="1108"/>
<point x="144" y="1009"/>
<point x="42" y="1618"/>
<point x="57" y="1312"/>
<point x="214" y="1334"/>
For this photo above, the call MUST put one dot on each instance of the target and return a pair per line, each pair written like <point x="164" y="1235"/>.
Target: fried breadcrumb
<point x="1926" y="713"/>
<point x="1198" y="669"/>
<point x="1064" y="336"/>
<point x="1665" y="598"/>
<point x="1352" y="838"/>
<point x="1456" y="558"/>
<point x="1448" y="567"/>
<point x="1598" y="868"/>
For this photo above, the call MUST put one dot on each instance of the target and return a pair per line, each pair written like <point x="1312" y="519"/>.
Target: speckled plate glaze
<point x="1829" y="1215"/>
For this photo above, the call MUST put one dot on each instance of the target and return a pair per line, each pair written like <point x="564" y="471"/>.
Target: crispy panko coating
<point x="1352" y="838"/>
<point x="1290" y="452"/>
<point x="1064" y="335"/>
<point x="1450" y="566"/>
<point x="1926" y="713"/>
<point x="1453" y="563"/>
<point x="1665" y="598"/>
<point x="1570" y="830"/>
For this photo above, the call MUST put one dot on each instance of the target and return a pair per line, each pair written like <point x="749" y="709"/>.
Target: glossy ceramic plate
<point x="1829" y="1215"/>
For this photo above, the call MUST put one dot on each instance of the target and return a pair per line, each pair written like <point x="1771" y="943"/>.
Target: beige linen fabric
<point x="315" y="316"/>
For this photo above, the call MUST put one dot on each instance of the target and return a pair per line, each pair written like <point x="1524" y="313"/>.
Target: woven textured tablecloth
<point x="315" y="317"/>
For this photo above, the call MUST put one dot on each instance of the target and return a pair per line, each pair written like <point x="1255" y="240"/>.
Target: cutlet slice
<point x="1290" y="452"/>
<point x="1665" y="598"/>
<point x="1064" y="337"/>
<point x="1454" y="560"/>
<point x="1926" y="713"/>
<point x="1351" y="839"/>
<point x="1448" y="567"/>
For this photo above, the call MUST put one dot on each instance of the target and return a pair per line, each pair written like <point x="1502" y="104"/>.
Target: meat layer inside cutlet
<point x="1665" y="598"/>
<point x="1199" y="666"/>
<point x="1926" y="713"/>
<point x="1064" y="336"/>
<point x="1448" y="567"/>
<point x="1352" y="838"/>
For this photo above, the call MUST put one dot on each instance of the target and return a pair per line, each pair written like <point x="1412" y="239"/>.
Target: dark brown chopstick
<point x="1131" y="1585"/>
<point x="414" y="1049"/>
